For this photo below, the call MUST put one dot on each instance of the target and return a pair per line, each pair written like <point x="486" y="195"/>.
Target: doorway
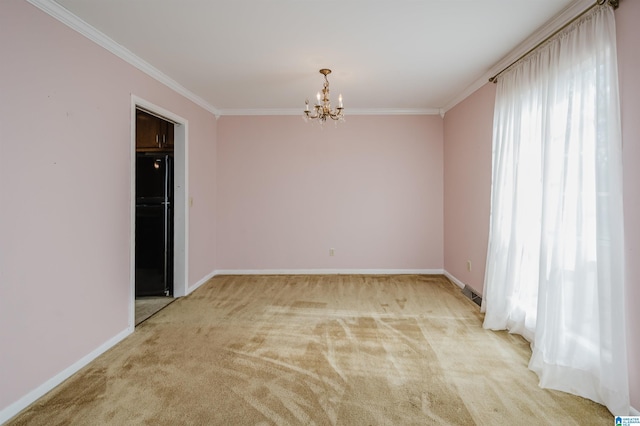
<point x="154" y="206"/>
<point x="159" y="217"/>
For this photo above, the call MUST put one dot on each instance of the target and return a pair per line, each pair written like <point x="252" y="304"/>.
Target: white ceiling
<point x="250" y="55"/>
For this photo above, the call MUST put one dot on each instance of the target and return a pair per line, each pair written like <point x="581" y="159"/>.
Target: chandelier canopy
<point x="322" y="109"/>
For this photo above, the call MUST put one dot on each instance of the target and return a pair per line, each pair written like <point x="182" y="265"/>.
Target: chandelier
<point x="322" y="109"/>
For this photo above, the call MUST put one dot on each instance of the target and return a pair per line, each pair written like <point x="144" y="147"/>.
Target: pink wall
<point x="467" y="181"/>
<point x="375" y="189"/>
<point x="65" y="194"/>
<point x="371" y="188"/>
<point x="467" y="186"/>
<point x="202" y="159"/>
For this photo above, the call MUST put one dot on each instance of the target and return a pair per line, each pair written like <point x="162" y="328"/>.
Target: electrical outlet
<point x="332" y="252"/>
<point x="469" y="265"/>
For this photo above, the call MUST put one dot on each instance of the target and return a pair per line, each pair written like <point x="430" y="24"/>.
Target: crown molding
<point x="72" y="21"/>
<point x="468" y="91"/>
<point x="260" y="111"/>
<point x="393" y="111"/>
<point x="348" y="111"/>
<point x="570" y="12"/>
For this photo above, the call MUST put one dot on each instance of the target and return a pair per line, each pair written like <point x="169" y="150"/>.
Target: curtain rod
<point x="612" y="3"/>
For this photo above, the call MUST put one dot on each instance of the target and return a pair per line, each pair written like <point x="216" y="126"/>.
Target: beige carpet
<point x="314" y="350"/>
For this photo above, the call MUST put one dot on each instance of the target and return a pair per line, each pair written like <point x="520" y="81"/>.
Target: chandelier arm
<point x="336" y="115"/>
<point x="313" y="117"/>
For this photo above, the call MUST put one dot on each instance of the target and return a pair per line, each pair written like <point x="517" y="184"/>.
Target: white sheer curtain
<point x="555" y="259"/>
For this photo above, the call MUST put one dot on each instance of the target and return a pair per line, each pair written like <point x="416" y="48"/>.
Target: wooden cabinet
<point x="153" y="133"/>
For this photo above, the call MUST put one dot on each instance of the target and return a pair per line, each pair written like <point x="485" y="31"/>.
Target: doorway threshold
<point x="146" y="307"/>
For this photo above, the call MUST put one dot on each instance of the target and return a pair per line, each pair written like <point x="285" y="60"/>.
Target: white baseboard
<point x="454" y="279"/>
<point x="634" y="412"/>
<point x="459" y="283"/>
<point x="202" y="281"/>
<point x="329" y="271"/>
<point x="13" y="409"/>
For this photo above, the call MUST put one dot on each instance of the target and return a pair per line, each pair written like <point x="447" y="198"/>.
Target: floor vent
<point x="471" y="294"/>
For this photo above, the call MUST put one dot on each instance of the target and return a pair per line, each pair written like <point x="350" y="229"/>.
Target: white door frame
<point x="180" y="201"/>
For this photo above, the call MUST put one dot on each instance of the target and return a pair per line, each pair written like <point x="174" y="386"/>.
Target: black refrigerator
<point x="154" y="224"/>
